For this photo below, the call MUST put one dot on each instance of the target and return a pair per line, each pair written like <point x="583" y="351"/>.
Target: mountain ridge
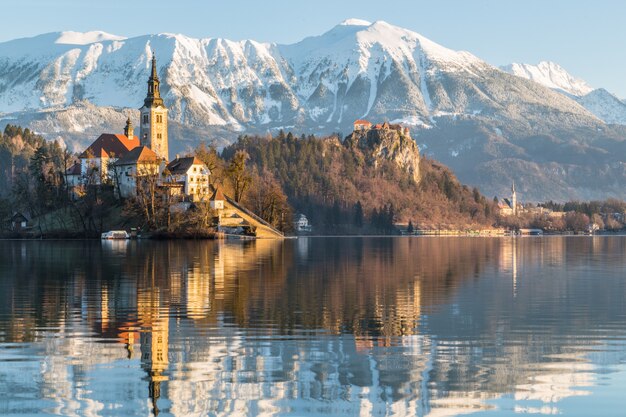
<point x="460" y="109"/>
<point x="603" y="104"/>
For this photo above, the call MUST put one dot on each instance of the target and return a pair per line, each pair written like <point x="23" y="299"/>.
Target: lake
<point x="426" y="326"/>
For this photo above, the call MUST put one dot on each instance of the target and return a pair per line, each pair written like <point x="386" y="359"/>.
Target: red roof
<point x="362" y="122"/>
<point x="109" y="145"/>
<point x="217" y="195"/>
<point x="138" y="154"/>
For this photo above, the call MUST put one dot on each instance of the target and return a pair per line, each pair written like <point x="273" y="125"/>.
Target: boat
<point x="115" y="234"/>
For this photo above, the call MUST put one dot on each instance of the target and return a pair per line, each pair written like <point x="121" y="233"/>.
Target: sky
<point x="587" y="38"/>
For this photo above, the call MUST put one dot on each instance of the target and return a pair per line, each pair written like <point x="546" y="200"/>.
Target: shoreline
<point x="169" y="237"/>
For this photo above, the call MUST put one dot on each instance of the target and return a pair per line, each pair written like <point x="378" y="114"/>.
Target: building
<point x="192" y="174"/>
<point x="513" y="199"/>
<point x="97" y="160"/>
<point x="130" y="163"/>
<point x="510" y="206"/>
<point x="301" y="223"/>
<point x="217" y="199"/>
<point x="73" y="175"/>
<point x="19" y="222"/>
<point x="362" y="125"/>
<point x="139" y="163"/>
<point x="153" y="117"/>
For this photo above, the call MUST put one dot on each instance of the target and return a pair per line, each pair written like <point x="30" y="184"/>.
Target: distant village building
<point x="362" y="125"/>
<point x="301" y="223"/>
<point x="19" y="222"/>
<point x="509" y="206"/>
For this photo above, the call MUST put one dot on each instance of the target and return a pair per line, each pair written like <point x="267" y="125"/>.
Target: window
<point x="158" y="136"/>
<point x="145" y="118"/>
<point x="195" y="169"/>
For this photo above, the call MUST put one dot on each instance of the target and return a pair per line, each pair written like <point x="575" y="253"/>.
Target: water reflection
<point x="441" y="326"/>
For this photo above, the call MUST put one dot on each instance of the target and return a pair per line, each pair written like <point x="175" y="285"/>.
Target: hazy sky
<point x="588" y="38"/>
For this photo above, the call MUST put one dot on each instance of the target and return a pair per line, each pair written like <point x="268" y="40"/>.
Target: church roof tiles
<point x="109" y="145"/>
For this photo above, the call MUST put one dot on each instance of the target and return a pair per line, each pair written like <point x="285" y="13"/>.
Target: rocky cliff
<point x="388" y="143"/>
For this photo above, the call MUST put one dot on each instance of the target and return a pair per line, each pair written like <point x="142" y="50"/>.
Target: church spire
<point x="153" y="119"/>
<point x="513" y="199"/>
<point x="154" y="75"/>
<point x="153" y="99"/>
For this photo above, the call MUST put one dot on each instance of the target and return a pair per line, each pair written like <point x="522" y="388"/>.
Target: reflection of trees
<point x="399" y="321"/>
<point x="367" y="287"/>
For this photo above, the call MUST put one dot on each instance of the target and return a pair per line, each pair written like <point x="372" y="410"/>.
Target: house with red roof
<point x="362" y="125"/>
<point x="97" y="160"/>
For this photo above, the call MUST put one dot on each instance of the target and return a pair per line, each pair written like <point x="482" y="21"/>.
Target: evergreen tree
<point x="358" y="215"/>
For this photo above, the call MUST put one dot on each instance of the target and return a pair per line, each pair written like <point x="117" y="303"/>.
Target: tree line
<point x="275" y="177"/>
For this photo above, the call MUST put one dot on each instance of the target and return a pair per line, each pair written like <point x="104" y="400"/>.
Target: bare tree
<point x="238" y="175"/>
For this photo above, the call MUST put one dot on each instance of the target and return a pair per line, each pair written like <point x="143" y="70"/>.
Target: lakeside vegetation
<point x="334" y="185"/>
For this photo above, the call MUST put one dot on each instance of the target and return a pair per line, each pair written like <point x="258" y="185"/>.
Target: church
<point x="129" y="163"/>
<point x="120" y="159"/>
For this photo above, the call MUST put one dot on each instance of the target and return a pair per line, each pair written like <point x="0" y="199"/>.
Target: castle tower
<point x="153" y="119"/>
<point x="514" y="199"/>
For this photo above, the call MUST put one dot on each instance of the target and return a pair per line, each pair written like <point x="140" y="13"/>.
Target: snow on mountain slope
<point x="599" y="102"/>
<point x="467" y="113"/>
<point x="344" y="71"/>
<point x="85" y="38"/>
<point x="356" y="69"/>
<point x="551" y="75"/>
<point x="604" y="105"/>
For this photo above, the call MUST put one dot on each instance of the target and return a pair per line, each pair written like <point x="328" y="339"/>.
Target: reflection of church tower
<point x="154" y="342"/>
<point x="514" y="269"/>
<point x="514" y="199"/>
<point x="153" y="119"/>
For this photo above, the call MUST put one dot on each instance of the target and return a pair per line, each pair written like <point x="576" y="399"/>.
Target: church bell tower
<point x="513" y="199"/>
<point x="153" y="119"/>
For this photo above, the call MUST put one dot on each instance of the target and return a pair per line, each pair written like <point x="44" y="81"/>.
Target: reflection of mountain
<point x="314" y="326"/>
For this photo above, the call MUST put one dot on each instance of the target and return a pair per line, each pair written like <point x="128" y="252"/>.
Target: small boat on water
<point x="115" y="234"/>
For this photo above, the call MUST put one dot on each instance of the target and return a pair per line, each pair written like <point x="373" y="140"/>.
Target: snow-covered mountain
<point x="551" y="75"/>
<point x="488" y="125"/>
<point x="604" y="105"/>
<point x="357" y="69"/>
<point x="600" y="102"/>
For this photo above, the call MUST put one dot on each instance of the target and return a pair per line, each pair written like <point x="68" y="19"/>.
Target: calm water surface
<point x="319" y="326"/>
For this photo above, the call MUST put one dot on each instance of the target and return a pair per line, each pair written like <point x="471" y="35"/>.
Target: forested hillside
<point x="31" y="171"/>
<point x="341" y="190"/>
